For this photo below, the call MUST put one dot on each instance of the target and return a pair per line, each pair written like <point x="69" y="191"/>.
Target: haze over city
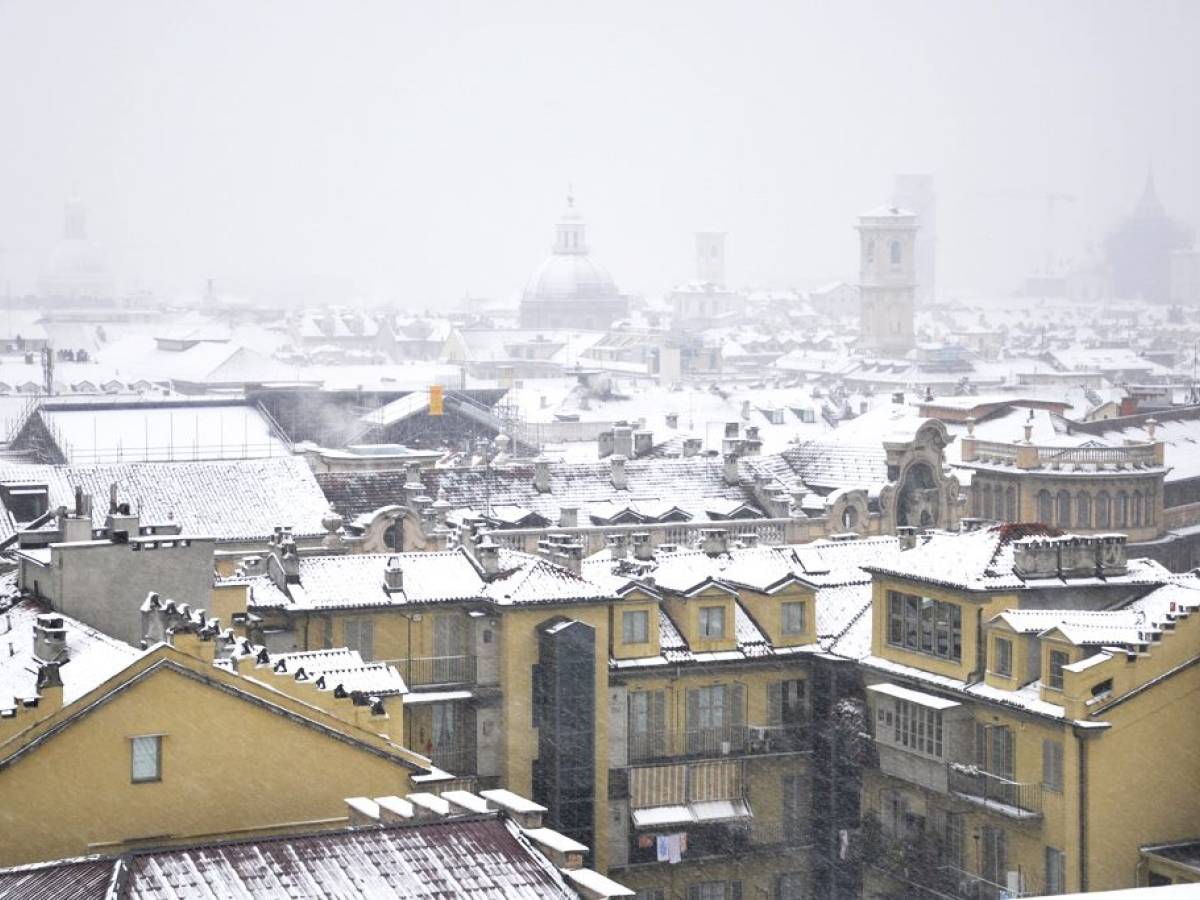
<point x="411" y="153"/>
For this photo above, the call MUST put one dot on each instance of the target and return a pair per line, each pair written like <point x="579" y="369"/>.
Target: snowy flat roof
<point x="921" y="699"/>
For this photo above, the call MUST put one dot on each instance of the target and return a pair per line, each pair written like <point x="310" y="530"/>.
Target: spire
<point x="1149" y="206"/>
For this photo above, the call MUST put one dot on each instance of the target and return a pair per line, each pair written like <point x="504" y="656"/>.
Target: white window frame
<point x="145" y="742"/>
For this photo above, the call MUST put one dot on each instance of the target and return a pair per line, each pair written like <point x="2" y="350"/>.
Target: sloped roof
<point x="484" y="857"/>
<point x="230" y="500"/>
<point x="93" y="657"/>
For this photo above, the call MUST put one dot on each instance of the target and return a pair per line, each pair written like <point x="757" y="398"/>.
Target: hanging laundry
<point x="674" y="848"/>
<point x="663" y="848"/>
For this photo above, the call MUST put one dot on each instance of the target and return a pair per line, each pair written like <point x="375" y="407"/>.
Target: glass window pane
<point x="145" y="754"/>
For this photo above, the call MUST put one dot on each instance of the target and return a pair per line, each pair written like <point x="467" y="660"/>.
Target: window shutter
<point x="775" y="703"/>
<point x="736" y="694"/>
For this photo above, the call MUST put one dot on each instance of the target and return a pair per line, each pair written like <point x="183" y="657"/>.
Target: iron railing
<point x="726" y="740"/>
<point x="428" y="671"/>
<point x="1020" y="800"/>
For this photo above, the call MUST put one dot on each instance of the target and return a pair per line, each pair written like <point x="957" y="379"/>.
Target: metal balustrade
<point x="1020" y="800"/>
<point x="727" y="740"/>
<point x="427" y="671"/>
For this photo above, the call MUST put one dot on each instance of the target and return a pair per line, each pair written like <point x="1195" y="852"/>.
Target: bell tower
<point x="710" y="257"/>
<point x="887" y="278"/>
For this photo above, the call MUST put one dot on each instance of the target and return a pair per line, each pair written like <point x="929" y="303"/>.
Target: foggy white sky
<point x="411" y="152"/>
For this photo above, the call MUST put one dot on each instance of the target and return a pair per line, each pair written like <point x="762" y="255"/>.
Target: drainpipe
<point x="1083" y="811"/>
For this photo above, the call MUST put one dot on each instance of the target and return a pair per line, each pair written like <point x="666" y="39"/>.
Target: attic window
<point x="1104" y="687"/>
<point x="146" y="758"/>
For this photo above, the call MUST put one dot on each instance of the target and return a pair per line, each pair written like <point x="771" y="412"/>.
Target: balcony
<point x="436" y="671"/>
<point x="727" y="740"/>
<point x="457" y="759"/>
<point x="1001" y="795"/>
<point x="969" y="886"/>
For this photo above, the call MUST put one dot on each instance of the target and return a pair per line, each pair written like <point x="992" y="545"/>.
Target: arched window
<point x="1103" y="512"/>
<point x="1137" y="509"/>
<point x="988" y="510"/>
<point x="1045" y="507"/>
<point x="1121" y="516"/>
<point x="1010" y="506"/>
<point x="1064" y="509"/>
<point x="1083" y="510"/>
<point x="895" y="253"/>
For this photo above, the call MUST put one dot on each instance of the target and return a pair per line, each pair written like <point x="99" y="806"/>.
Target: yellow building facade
<point x="175" y="748"/>
<point x="1027" y="723"/>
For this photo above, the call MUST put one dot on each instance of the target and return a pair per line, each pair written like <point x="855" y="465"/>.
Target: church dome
<point x="569" y="277"/>
<point x="569" y="273"/>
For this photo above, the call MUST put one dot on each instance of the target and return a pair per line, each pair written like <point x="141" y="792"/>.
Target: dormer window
<point x="635" y="626"/>
<point x="1058" y="659"/>
<point x="793" y="617"/>
<point x="1002" y="658"/>
<point x="712" y="622"/>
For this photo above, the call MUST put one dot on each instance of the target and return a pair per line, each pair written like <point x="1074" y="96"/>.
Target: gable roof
<point x="480" y="856"/>
<point x="230" y="500"/>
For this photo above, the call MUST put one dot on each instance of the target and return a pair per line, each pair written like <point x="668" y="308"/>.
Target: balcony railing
<point x="1012" y="798"/>
<point x="969" y="886"/>
<point x="428" y="671"/>
<point x="457" y="759"/>
<point x="726" y="740"/>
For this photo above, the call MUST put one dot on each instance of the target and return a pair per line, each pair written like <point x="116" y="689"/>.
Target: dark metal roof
<point x="473" y="857"/>
<point x="81" y="880"/>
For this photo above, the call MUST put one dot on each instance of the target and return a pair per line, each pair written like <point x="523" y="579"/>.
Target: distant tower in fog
<point x="887" y="279"/>
<point x="710" y="257"/>
<point x="915" y="192"/>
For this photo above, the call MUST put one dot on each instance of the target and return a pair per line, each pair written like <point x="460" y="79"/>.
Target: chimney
<point x="745" y="410"/>
<point x="49" y="639"/>
<point x="1028" y="432"/>
<point x="714" y="541"/>
<point x="568" y="516"/>
<point x="618" y="472"/>
<point x="393" y="576"/>
<point x="394" y="810"/>
<point x="623" y="440"/>
<point x="731" y="468"/>
<point x="289" y="559"/>
<point x="643" y="549"/>
<point x="1151" y="427"/>
<point x="618" y="545"/>
<point x="49" y="687"/>
<point x="672" y="419"/>
<point x="907" y="535"/>
<point x="541" y="475"/>
<point x="362" y="811"/>
<point x="604" y="444"/>
<point x="643" y="443"/>
<point x="487" y="552"/>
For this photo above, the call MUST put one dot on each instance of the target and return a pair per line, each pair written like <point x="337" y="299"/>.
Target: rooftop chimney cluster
<point x="625" y="440"/>
<point x="1070" y="556"/>
<point x="564" y="550"/>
